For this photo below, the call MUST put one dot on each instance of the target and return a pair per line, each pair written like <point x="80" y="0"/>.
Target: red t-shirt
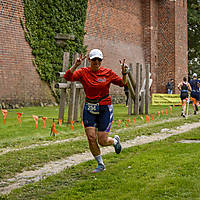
<point x="96" y="84"/>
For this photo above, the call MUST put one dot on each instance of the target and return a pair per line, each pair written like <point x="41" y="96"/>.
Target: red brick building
<point x="144" y="31"/>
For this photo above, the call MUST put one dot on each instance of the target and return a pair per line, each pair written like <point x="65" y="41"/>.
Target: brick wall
<point x="116" y="27"/>
<point x="19" y="81"/>
<point x="144" y="31"/>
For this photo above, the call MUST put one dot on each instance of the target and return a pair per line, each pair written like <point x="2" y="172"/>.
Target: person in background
<point x="126" y="91"/>
<point x="184" y="87"/>
<point x="195" y="94"/>
<point x="98" y="109"/>
<point x="169" y="87"/>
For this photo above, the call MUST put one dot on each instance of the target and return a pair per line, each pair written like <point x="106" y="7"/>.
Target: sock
<point x="115" y="141"/>
<point x="99" y="160"/>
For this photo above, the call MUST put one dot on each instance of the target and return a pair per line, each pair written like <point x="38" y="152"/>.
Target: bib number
<point x="92" y="107"/>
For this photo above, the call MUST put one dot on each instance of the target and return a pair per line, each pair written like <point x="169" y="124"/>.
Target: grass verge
<point x="160" y="170"/>
<point x="30" y="159"/>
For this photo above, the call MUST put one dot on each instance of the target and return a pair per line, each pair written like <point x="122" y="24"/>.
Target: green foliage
<point x="194" y="35"/>
<point x="46" y="18"/>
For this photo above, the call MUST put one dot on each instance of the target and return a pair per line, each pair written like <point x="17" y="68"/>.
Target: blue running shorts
<point x="196" y="95"/>
<point x="101" y="121"/>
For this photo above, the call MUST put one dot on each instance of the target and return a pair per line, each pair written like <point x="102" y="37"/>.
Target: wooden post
<point x="63" y="91"/>
<point x="77" y="99"/>
<point x="131" y="90"/>
<point x="82" y="103"/>
<point x="71" y="106"/>
<point x="61" y="41"/>
<point x="76" y="104"/>
<point x="71" y="102"/>
<point x="142" y="103"/>
<point x="131" y="83"/>
<point x="136" y="105"/>
<point x="147" y="90"/>
<point x="141" y="108"/>
<point x="140" y="76"/>
<point x="130" y="102"/>
<point x="130" y="105"/>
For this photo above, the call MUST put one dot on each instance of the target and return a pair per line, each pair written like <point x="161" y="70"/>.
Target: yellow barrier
<point x="166" y="99"/>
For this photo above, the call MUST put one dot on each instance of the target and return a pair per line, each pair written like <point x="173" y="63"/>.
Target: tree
<point x="194" y="35"/>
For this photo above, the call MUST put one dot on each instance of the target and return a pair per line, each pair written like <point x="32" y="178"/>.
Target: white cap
<point x="95" y="53"/>
<point x="194" y="75"/>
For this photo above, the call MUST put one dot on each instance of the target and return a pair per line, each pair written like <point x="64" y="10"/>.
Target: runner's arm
<point x="189" y="87"/>
<point x="75" y="76"/>
<point x="77" y="63"/>
<point x="72" y="74"/>
<point x="124" y="68"/>
<point x="179" y="86"/>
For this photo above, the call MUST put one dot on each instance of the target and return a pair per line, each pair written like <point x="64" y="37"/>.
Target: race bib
<point x="92" y="107"/>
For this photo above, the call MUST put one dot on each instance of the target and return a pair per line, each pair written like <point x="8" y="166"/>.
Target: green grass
<point x="161" y="170"/>
<point x="30" y="159"/>
<point x="13" y="134"/>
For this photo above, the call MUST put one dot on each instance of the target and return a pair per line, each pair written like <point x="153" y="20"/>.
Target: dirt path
<point x="51" y="168"/>
<point x="46" y="143"/>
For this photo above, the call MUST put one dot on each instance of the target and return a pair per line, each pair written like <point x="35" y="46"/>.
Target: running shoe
<point x="182" y="114"/>
<point x="99" y="168"/>
<point x="117" y="146"/>
<point x="195" y="112"/>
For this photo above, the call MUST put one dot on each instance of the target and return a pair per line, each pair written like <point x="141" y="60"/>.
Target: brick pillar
<point x="181" y="43"/>
<point x="172" y="43"/>
<point x="165" y="41"/>
<point x="150" y="21"/>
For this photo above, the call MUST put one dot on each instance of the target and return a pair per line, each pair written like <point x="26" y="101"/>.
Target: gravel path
<point x="51" y="168"/>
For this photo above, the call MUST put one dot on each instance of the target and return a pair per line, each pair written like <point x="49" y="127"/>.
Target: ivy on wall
<point x="46" y="18"/>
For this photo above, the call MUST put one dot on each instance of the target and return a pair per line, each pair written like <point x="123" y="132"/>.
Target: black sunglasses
<point x="94" y="59"/>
